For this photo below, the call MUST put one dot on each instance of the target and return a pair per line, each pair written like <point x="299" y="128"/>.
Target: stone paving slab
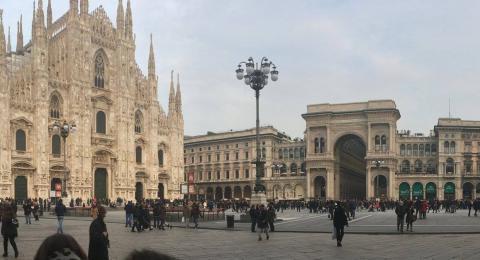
<point x="214" y="244"/>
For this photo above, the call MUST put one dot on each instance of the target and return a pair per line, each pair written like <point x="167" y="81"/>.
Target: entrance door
<point x="139" y="191"/>
<point x="100" y="190"/>
<point x="161" y="191"/>
<point x="21" y="192"/>
<point x="350" y="173"/>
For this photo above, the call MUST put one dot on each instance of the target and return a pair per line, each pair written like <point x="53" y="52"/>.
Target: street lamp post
<point x="257" y="78"/>
<point x="64" y="130"/>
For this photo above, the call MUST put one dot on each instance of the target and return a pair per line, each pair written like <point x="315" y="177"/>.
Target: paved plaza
<point x="242" y="244"/>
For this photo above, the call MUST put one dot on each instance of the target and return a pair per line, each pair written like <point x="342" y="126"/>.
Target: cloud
<point x="419" y="53"/>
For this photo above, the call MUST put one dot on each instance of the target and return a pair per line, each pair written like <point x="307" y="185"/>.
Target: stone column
<point x="370" y="191"/>
<point x="330" y="182"/>
<point x="391" y="183"/>
<point x="369" y="136"/>
<point x="309" y="184"/>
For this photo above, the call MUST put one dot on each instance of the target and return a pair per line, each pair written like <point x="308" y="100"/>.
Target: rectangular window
<point x="184" y="160"/>
<point x="200" y="158"/>
<point x="246" y="144"/>
<point x="236" y="156"/>
<point x="209" y="175"/>
<point x="209" y="158"/>
<point x="226" y="146"/>
<point x="193" y="159"/>
<point x="227" y="175"/>
<point x="236" y="145"/>
<point x="247" y="174"/>
<point x="200" y="175"/>
<point x="246" y="155"/>
<point x="218" y="175"/>
<point x="227" y="156"/>
<point x="237" y="174"/>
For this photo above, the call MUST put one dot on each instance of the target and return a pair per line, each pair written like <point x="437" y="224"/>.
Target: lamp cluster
<point x="64" y="129"/>
<point x="254" y="76"/>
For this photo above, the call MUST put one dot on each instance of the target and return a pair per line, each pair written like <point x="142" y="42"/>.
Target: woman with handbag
<point x="9" y="229"/>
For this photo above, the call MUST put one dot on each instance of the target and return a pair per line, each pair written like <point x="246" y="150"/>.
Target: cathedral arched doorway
<point x="138" y="191"/>
<point x="21" y="188"/>
<point x="161" y="191"/>
<point x="100" y="189"/>
<point x="350" y="172"/>
<point x="467" y="191"/>
<point x="320" y="190"/>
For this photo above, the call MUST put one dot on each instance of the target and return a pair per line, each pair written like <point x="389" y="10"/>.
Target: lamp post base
<point x="258" y="198"/>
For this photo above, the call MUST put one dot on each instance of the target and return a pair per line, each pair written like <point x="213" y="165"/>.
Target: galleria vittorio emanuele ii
<point x="77" y="111"/>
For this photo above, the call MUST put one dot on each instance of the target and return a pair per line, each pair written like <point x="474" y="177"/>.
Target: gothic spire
<point x="49" y="13"/>
<point x="40" y="16"/>
<point x="128" y="22"/>
<point x="151" y="60"/>
<point x="84" y="7"/>
<point x="120" y="18"/>
<point x="9" y="42"/>
<point x="20" y="36"/>
<point x="171" y="98"/>
<point x="2" y="36"/>
<point x="178" y="97"/>
<point x="33" y="18"/>
<point x="74" y="7"/>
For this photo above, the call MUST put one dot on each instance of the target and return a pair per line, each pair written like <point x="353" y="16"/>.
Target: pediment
<point x="21" y="121"/>
<point x="102" y="99"/>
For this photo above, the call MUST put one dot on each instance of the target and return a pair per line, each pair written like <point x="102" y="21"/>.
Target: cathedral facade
<point x="80" y="69"/>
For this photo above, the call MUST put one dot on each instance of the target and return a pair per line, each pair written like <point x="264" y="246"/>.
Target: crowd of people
<point x="152" y="214"/>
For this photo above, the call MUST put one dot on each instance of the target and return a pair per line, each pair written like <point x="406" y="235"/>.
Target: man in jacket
<point x="60" y="210"/>
<point x="195" y="214"/>
<point x="340" y="220"/>
<point x="128" y="214"/>
<point x="271" y="217"/>
<point x="400" y="211"/>
<point x="253" y="217"/>
<point x="262" y="223"/>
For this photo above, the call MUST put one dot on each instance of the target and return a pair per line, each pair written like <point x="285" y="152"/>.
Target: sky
<point x="419" y="53"/>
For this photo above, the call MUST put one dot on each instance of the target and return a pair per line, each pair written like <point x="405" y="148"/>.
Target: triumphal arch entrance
<point x="351" y="150"/>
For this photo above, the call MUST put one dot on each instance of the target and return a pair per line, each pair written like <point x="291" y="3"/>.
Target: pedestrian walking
<point x="60" y="210"/>
<point x="129" y="214"/>
<point x="195" y="214"/>
<point x="9" y="230"/>
<point x="411" y="217"/>
<point x="340" y="220"/>
<point x="400" y="211"/>
<point x="253" y="217"/>
<point x="262" y="223"/>
<point x="271" y="217"/>
<point x="98" y="237"/>
<point x="27" y="211"/>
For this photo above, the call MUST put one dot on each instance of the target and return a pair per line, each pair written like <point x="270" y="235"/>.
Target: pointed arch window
<point x="56" y="146"/>
<point x="20" y="141"/>
<point x="101" y="123"/>
<point x="160" y="157"/>
<point x="138" y="122"/>
<point x="55" y="107"/>
<point x="383" y="142"/>
<point x="138" y="154"/>
<point x="99" y="71"/>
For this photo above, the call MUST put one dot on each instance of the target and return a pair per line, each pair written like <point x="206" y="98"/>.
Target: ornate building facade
<point x="82" y="69"/>
<point x="354" y="150"/>
<point x="221" y="164"/>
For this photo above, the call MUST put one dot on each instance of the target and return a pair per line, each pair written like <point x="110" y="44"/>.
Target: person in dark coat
<point x="98" y="244"/>
<point x="340" y="220"/>
<point x="400" y="211"/>
<point x="195" y="214"/>
<point x="262" y="222"/>
<point x="411" y="217"/>
<point x="9" y="230"/>
<point x="253" y="217"/>
<point x="271" y="217"/>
